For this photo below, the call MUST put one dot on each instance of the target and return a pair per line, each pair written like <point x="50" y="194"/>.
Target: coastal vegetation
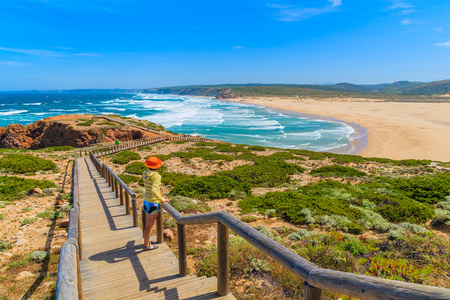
<point x="372" y="216"/>
<point x="25" y="163"/>
<point x="403" y="91"/>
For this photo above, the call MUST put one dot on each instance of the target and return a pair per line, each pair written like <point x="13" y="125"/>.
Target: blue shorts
<point x="151" y="208"/>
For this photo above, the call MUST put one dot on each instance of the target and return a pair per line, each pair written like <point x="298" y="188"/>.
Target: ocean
<point x="206" y="117"/>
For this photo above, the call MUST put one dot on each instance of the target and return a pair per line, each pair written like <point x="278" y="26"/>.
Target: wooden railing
<point x="68" y="284"/>
<point x="122" y="191"/>
<point x="125" y="145"/>
<point x="316" y="279"/>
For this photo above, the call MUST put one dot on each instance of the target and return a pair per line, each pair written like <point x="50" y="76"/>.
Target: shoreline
<point x="358" y="139"/>
<point x="395" y="130"/>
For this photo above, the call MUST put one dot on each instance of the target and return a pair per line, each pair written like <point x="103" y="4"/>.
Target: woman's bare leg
<point x="148" y="228"/>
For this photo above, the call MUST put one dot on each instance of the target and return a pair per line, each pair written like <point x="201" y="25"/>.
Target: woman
<point x="152" y="198"/>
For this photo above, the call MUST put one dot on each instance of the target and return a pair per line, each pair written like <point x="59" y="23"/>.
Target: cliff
<point x="68" y="130"/>
<point x="219" y="93"/>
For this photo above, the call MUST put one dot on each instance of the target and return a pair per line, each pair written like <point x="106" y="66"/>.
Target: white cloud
<point x="9" y="63"/>
<point x="291" y="13"/>
<point x="35" y="52"/>
<point x="446" y="44"/>
<point x="335" y="3"/>
<point x="46" y="53"/>
<point x="406" y="21"/>
<point x="88" y="54"/>
<point x="438" y="29"/>
<point x="238" y="47"/>
<point x="400" y="5"/>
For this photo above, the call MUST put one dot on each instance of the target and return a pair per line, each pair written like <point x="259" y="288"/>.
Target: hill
<point x="384" y="91"/>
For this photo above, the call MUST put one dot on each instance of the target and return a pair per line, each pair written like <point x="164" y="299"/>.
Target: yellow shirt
<point x="152" y="184"/>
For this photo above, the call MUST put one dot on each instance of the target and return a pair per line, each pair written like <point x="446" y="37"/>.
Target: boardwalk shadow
<point x="129" y="252"/>
<point x="101" y="196"/>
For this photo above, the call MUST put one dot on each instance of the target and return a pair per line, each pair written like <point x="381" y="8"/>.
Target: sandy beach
<point x="395" y="130"/>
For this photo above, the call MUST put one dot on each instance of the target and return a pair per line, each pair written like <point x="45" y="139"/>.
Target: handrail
<point x="125" y="145"/>
<point x="316" y="278"/>
<point x="68" y="283"/>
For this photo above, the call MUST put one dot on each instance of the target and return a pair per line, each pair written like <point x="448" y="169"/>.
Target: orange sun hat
<point x="153" y="163"/>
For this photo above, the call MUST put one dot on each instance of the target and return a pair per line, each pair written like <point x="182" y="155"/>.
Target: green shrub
<point x="127" y="179"/>
<point x="52" y="215"/>
<point x="412" y="162"/>
<point x="120" y="160"/>
<point x="282" y="156"/>
<point x="1" y="217"/>
<point x="290" y="205"/>
<point x="271" y="213"/>
<point x="136" y="167"/>
<point x="264" y="173"/>
<point x="235" y="194"/>
<point x="206" y="144"/>
<point x="212" y="187"/>
<point x="402" y="209"/>
<point x="441" y="217"/>
<point x="345" y="158"/>
<point x="173" y="179"/>
<point x="37" y="256"/>
<point x="256" y="148"/>
<point x="87" y="123"/>
<point x="257" y="266"/>
<point x="248" y="156"/>
<point x="354" y="245"/>
<point x="12" y="187"/>
<point x="57" y="148"/>
<point x="186" y="204"/>
<point x="23" y="163"/>
<point x="311" y="154"/>
<point x="426" y="188"/>
<point x="336" y="170"/>
<point x="249" y="219"/>
<point x="229" y="148"/>
<point x="28" y="221"/>
<point x="26" y="209"/>
<point x="302" y="233"/>
<point x="5" y="246"/>
<point x="125" y="157"/>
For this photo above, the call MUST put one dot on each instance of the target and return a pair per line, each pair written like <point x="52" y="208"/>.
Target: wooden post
<point x="85" y="152"/>
<point x="112" y="182"/>
<point x="144" y="221"/>
<point x="310" y="292"/>
<point x="116" y="183"/>
<point x="160" y="228"/>
<point x="182" y="252"/>
<point x="80" y="240"/>
<point x="134" y="207"/>
<point x="127" y="203"/>
<point x="222" y="259"/>
<point x="79" y="286"/>
<point x="121" y="195"/>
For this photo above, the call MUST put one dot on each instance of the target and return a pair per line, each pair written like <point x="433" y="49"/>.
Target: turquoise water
<point x="211" y="118"/>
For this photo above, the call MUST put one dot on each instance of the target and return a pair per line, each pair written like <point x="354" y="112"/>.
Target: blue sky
<point x="65" y="44"/>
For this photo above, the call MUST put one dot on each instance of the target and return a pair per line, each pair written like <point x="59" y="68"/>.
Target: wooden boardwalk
<point x="114" y="265"/>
